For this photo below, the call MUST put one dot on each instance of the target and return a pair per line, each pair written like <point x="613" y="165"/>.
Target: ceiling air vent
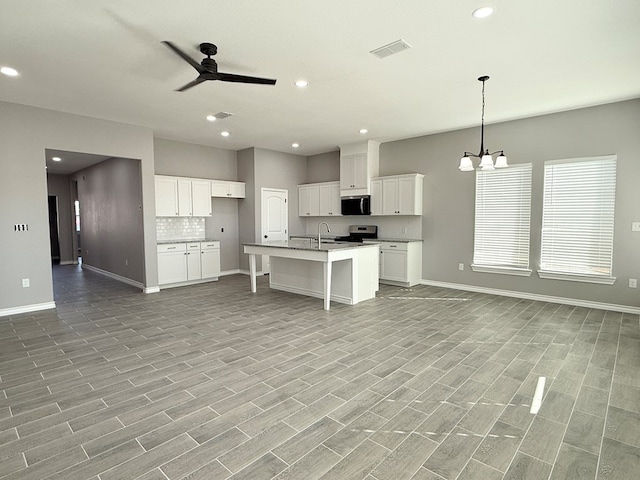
<point x="222" y="115"/>
<point x="391" y="49"/>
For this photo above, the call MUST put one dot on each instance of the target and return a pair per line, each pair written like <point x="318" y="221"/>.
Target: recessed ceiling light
<point x="56" y="159"/>
<point x="363" y="130"/>
<point x="295" y="145"/>
<point x="301" y="83"/>
<point x="482" y="12"/>
<point x="225" y="133"/>
<point x="211" y="118"/>
<point x="9" y="72"/>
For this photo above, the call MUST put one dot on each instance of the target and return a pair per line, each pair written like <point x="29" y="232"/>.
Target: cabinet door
<point x="166" y="197"/>
<point x="309" y="201"/>
<point x="390" y="196"/>
<point x="336" y="207"/>
<point x="219" y="189"/>
<point x="360" y="171"/>
<point x="407" y="200"/>
<point x="201" y="198"/>
<point x="172" y="267"/>
<point x="210" y="261"/>
<point x="346" y="172"/>
<point x="376" y="197"/>
<point x="393" y="265"/>
<point x="327" y="203"/>
<point x="236" y="189"/>
<point x="194" y="270"/>
<point x="184" y="198"/>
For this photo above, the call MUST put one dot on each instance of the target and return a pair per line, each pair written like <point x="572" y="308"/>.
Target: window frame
<point x="488" y="195"/>
<point x="604" y="217"/>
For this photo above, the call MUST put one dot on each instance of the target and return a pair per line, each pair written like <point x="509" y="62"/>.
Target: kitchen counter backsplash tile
<point x="180" y="228"/>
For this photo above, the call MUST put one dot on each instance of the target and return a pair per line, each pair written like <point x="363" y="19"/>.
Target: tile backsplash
<point x="180" y="228"/>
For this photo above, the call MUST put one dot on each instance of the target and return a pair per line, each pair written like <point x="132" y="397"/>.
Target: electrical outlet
<point x="635" y="226"/>
<point x="25" y="283"/>
<point x="461" y="266"/>
<point x="404" y="230"/>
<point x="633" y="283"/>
<point x="126" y="262"/>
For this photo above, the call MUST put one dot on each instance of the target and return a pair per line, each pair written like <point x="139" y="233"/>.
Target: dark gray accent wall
<point x="448" y="207"/>
<point x="60" y="187"/>
<point x="110" y="195"/>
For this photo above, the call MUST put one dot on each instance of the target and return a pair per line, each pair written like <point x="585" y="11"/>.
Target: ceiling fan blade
<point x="191" y="84"/>
<point x="231" y="77"/>
<point x="185" y="57"/>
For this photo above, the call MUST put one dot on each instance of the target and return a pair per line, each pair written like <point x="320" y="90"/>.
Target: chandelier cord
<point x="482" y="124"/>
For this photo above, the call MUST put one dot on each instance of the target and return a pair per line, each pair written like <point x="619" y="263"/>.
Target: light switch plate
<point x="635" y="226"/>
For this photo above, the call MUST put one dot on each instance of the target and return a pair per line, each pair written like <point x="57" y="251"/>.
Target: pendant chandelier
<point x="486" y="158"/>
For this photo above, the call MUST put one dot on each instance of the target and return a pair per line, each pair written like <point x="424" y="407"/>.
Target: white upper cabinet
<point x="201" y="198"/>
<point x="397" y="195"/>
<point x="308" y="200"/>
<point x="223" y="188"/>
<point x="182" y="197"/>
<point x="329" y="199"/>
<point x="358" y="163"/>
<point x="319" y="199"/>
<point x="166" y="197"/>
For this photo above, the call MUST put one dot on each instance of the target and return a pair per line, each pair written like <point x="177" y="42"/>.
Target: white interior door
<point x="275" y="218"/>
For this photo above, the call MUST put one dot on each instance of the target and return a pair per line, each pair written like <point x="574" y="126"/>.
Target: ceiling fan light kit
<point x="208" y="68"/>
<point x="486" y="158"/>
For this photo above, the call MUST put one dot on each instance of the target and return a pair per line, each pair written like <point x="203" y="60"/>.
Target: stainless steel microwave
<point x="360" y="205"/>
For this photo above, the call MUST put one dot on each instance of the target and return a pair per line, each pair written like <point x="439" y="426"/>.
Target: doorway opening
<point x="54" y="236"/>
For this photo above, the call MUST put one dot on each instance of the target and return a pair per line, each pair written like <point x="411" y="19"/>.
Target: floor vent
<point x="391" y="49"/>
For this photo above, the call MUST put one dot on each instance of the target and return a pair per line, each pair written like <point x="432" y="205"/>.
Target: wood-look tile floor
<point x="211" y="382"/>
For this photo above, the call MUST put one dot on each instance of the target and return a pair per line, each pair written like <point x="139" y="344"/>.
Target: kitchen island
<point x="342" y="272"/>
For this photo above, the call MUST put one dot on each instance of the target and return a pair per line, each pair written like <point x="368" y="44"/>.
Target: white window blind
<point x="502" y="222"/>
<point x="577" y="219"/>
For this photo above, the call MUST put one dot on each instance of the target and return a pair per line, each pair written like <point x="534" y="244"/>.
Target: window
<point x="76" y="208"/>
<point x="503" y="218"/>
<point x="577" y="219"/>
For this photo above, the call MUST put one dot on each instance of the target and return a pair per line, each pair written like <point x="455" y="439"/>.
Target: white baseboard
<point x="533" y="296"/>
<point x="151" y="289"/>
<point x="246" y="272"/>
<point x="230" y="272"/>
<point x="68" y="262"/>
<point x="27" y="308"/>
<point x="115" y="276"/>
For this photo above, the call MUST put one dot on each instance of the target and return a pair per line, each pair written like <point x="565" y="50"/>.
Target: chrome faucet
<point x="328" y="231"/>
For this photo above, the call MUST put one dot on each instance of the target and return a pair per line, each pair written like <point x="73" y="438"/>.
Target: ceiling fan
<point x="208" y="68"/>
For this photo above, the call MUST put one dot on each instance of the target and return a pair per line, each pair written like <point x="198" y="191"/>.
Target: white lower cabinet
<point x="400" y="263"/>
<point x="172" y="263"/>
<point x="210" y="259"/>
<point x="188" y="262"/>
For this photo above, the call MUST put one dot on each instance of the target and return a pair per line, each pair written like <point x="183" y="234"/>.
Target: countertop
<point x="372" y="240"/>
<point x="304" y="245"/>
<point x="183" y="240"/>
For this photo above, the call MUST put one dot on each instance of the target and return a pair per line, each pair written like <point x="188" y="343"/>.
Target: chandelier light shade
<point x="486" y="158"/>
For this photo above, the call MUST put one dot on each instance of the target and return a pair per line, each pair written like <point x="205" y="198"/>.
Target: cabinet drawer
<point x="397" y="246"/>
<point x="172" y="247"/>
<point x="193" y="246"/>
<point x="209" y="245"/>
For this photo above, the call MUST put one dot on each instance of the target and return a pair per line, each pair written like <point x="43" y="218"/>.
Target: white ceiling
<point x="105" y="59"/>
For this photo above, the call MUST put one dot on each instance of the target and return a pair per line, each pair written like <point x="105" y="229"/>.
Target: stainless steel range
<point x="358" y="233"/>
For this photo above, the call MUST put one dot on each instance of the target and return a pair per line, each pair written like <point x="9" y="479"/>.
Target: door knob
<point x="265" y="236"/>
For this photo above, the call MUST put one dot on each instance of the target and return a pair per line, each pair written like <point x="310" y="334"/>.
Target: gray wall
<point x="59" y="186"/>
<point x="261" y="168"/>
<point x="110" y="195"/>
<point x="189" y="160"/>
<point x="448" y="217"/>
<point x="199" y="161"/>
<point x="25" y="133"/>
<point x="323" y="168"/>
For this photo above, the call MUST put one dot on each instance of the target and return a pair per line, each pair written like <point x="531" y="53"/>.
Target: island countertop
<point x="305" y="245"/>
